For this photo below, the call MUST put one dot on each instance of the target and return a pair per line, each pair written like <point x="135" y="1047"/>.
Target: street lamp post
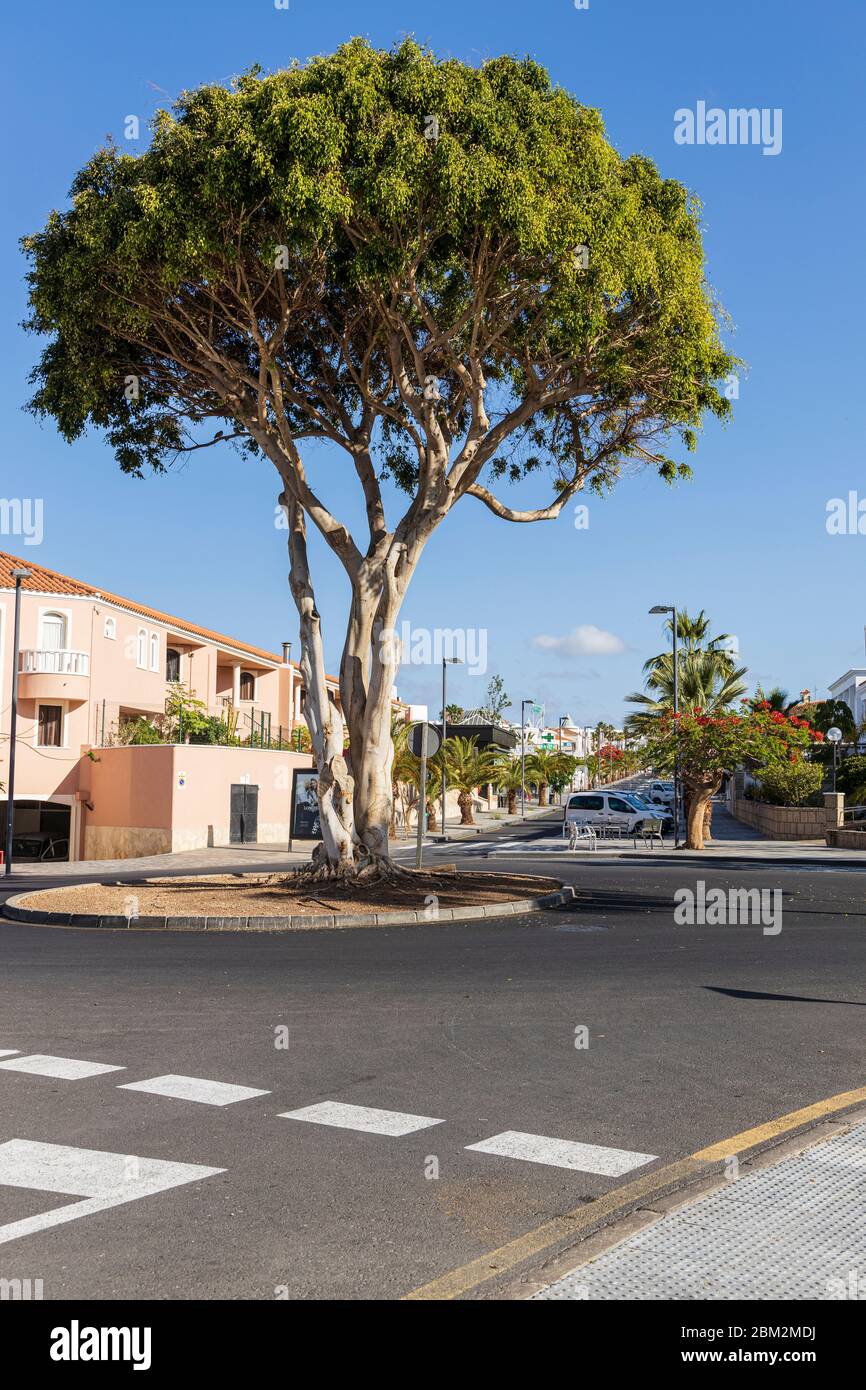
<point x="446" y="662"/>
<point x="834" y="736"/>
<point x="523" y="704"/>
<point x="667" y="608"/>
<point x="17" y="575"/>
<point x="562" y="719"/>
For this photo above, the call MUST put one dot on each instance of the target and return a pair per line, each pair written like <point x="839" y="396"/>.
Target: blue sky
<point x="746" y="539"/>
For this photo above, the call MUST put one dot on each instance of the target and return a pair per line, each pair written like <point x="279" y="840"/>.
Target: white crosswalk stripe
<point x="361" y="1117"/>
<point x="65" y="1068"/>
<point x="99" y="1179"/>
<point x="8" y="1051"/>
<point x="562" y="1153"/>
<point x="194" y="1088"/>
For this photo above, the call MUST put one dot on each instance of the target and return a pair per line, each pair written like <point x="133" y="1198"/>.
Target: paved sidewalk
<point x="793" y="1230"/>
<point x="812" y="852"/>
<point x="234" y="859"/>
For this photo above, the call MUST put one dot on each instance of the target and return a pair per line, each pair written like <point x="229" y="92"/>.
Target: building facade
<point x="90" y="662"/>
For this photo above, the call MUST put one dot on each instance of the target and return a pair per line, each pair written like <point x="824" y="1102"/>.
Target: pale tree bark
<point x="324" y="721"/>
<point x="699" y="796"/>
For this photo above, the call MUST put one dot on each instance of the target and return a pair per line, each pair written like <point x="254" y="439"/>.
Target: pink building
<point x="90" y="662"/>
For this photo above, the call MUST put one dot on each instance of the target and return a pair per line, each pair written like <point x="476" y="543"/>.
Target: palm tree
<point x="468" y="767"/>
<point x="709" y="680"/>
<point x="405" y="770"/>
<point x="546" y="768"/>
<point x="507" y="778"/>
<point x="777" y="699"/>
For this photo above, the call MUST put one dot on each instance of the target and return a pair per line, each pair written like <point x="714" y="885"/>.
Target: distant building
<point x="852" y="689"/>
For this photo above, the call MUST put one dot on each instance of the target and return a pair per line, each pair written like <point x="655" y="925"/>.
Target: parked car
<point x="661" y="791"/>
<point x="659" y="810"/>
<point x="601" y="809"/>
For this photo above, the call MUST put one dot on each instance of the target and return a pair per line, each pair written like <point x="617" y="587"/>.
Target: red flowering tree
<point x="708" y="746"/>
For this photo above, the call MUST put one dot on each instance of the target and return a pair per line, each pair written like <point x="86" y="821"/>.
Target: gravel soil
<point x="275" y="895"/>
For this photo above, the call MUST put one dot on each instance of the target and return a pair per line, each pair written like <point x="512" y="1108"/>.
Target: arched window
<point x="53" y="632"/>
<point x="248" y="685"/>
<point x="172" y="664"/>
<point x="110" y="628"/>
<point x="142" y="649"/>
<point x="154" y="652"/>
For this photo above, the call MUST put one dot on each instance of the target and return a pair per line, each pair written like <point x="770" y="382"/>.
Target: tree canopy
<point x="296" y="255"/>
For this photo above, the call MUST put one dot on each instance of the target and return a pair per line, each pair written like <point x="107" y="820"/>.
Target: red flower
<point x="817" y="735"/>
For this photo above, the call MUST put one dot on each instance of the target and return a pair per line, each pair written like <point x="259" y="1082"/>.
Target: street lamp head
<point x="662" y="608"/>
<point x="21" y="574"/>
<point x="834" y="735"/>
<point x="452" y="661"/>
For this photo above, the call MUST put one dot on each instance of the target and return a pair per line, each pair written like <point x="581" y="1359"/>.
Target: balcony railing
<point x="62" y="662"/>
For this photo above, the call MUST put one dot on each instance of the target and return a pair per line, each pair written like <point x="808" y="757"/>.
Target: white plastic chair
<point x="580" y="830"/>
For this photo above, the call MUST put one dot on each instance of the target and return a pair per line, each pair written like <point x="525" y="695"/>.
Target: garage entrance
<point x="40" y="830"/>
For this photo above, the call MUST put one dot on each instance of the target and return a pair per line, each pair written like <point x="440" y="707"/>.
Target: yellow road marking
<point x="750" y="1137"/>
<point x="467" y="1277"/>
<point x="460" y="1281"/>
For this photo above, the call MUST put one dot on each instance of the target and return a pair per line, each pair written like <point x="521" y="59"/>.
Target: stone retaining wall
<point x="784" y="822"/>
<point x="846" y="839"/>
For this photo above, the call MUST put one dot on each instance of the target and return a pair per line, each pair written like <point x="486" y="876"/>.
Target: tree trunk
<point x="512" y="803"/>
<point x="324" y="721"/>
<point x="708" y="820"/>
<point x="698" y="810"/>
<point x="464" y="801"/>
<point x="696" y="820"/>
<point x="542" y="793"/>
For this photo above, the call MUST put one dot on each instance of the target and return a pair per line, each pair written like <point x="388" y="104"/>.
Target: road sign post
<point x="424" y="741"/>
<point x="422" y="800"/>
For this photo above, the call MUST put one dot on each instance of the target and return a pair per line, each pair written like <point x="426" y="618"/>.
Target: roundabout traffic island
<point x="285" y="902"/>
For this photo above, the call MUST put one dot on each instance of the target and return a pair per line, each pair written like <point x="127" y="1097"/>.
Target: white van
<point x="603" y="809"/>
<point x="660" y="791"/>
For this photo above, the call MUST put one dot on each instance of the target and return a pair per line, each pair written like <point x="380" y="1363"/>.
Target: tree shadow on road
<point x="781" y="998"/>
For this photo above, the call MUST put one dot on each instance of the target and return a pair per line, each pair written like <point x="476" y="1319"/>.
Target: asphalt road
<point x="694" y="1033"/>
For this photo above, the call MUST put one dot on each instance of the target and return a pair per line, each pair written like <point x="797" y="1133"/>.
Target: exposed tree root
<point x="363" y="871"/>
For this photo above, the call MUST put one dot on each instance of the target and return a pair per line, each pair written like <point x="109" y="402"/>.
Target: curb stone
<point x="15" y="911"/>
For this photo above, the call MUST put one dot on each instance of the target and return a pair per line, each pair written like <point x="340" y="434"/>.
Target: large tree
<point x="446" y="273"/>
<point x="705" y="747"/>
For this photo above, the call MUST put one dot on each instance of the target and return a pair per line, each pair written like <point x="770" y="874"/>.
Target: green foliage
<point x="791" y="784"/>
<point x="497" y="700"/>
<point x="709" y="745"/>
<point x="851" y="779"/>
<point x="272" y="229"/>
<point x="827" y="714"/>
<point x="187" y="716"/>
<point x="468" y="766"/>
<point x="709" y="678"/>
<point x="138" y="731"/>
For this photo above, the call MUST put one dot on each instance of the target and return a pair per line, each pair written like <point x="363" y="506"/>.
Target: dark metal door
<point x="243" y="814"/>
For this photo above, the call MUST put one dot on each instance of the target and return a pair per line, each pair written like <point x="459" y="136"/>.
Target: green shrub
<point x="851" y="775"/>
<point x="791" y="784"/>
<point x="140" y="730"/>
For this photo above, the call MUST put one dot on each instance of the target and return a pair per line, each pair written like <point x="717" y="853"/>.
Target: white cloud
<point x="585" y="640"/>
